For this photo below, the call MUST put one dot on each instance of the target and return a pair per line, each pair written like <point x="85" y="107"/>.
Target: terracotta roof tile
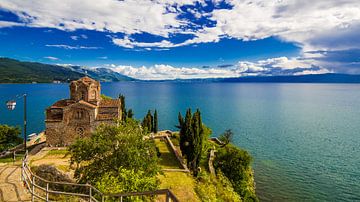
<point x="62" y="103"/>
<point x="87" y="104"/>
<point x="110" y="103"/>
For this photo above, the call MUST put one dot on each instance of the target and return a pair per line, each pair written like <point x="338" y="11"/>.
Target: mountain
<point x="311" y="78"/>
<point x="15" y="71"/>
<point x="102" y="74"/>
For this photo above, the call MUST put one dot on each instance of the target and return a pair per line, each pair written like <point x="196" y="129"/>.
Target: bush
<point x="217" y="188"/>
<point x="235" y="164"/>
<point x="9" y="137"/>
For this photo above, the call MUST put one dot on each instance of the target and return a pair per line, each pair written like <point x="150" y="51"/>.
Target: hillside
<point x="310" y="78"/>
<point x="14" y="71"/>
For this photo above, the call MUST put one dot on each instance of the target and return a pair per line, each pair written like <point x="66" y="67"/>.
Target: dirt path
<point x="11" y="187"/>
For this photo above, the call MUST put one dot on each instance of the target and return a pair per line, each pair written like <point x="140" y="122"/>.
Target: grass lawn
<point x="181" y="184"/>
<point x="10" y="159"/>
<point x="55" y="158"/>
<point x="167" y="158"/>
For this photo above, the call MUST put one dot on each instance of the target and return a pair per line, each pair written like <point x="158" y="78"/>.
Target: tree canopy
<point x="9" y="137"/>
<point x="114" y="154"/>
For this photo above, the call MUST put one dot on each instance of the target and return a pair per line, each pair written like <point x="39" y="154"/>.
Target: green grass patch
<point x="58" y="152"/>
<point x="10" y="158"/>
<point x="181" y="184"/>
<point x="167" y="157"/>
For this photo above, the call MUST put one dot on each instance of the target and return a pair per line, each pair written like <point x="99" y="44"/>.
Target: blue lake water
<point x="305" y="138"/>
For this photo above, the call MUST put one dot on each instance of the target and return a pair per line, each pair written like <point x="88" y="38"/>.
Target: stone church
<point x="78" y="116"/>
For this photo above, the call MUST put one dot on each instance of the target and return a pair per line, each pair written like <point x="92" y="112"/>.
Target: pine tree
<point x="155" y="124"/>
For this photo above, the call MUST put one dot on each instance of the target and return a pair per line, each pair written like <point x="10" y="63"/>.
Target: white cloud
<point x="312" y="24"/>
<point x="127" y="17"/>
<point x="72" y="47"/>
<point x="9" y="24"/>
<point x="75" y="38"/>
<point x="51" y="58"/>
<point x="269" y="67"/>
<point x="82" y="36"/>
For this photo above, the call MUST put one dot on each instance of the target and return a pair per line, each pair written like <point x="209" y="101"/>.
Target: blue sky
<point x="168" y="39"/>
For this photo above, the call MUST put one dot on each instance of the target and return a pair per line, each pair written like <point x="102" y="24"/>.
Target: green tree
<point x="123" y="107"/>
<point x="191" y="139"/>
<point x="127" y="181"/>
<point x="9" y="137"/>
<point x="105" y="97"/>
<point x="130" y="114"/>
<point x="226" y="137"/>
<point x="155" y="124"/>
<point x="147" y="122"/>
<point x="235" y="165"/>
<point x="110" y="148"/>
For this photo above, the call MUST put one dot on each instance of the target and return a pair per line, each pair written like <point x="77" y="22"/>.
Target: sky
<point x="170" y="39"/>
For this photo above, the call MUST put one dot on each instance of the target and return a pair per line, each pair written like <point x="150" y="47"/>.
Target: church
<point x="79" y="116"/>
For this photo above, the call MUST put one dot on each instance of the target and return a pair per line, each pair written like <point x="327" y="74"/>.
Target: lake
<point x="305" y="138"/>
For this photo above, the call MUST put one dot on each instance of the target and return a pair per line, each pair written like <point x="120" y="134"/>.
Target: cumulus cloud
<point x="72" y="47"/>
<point x="315" y="26"/>
<point x="312" y="24"/>
<point x="9" y="24"/>
<point x="269" y="67"/>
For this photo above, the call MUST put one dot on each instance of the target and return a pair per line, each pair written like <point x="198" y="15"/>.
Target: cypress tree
<point x="130" y="114"/>
<point x="123" y="107"/>
<point x="155" y="125"/>
<point x="191" y="138"/>
<point x="187" y="134"/>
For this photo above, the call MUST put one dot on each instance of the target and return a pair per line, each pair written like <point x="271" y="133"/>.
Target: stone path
<point x="11" y="187"/>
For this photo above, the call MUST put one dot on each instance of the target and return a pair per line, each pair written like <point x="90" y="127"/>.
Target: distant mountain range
<point x="15" y="71"/>
<point x="310" y="78"/>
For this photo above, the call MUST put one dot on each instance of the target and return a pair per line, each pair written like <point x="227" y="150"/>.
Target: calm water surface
<point x="305" y="138"/>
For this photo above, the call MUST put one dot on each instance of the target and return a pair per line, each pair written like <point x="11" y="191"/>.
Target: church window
<point x="82" y="95"/>
<point x="79" y="114"/>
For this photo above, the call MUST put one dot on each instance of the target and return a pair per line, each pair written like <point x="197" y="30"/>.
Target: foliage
<point x="130" y="114"/>
<point x="9" y="137"/>
<point x="155" y="122"/>
<point x="235" y="164"/>
<point x="111" y="148"/>
<point x="123" y="107"/>
<point x="14" y="71"/>
<point x="105" y="97"/>
<point x="219" y="188"/>
<point x="127" y="181"/>
<point x="150" y="122"/>
<point x="191" y="139"/>
<point x="226" y="137"/>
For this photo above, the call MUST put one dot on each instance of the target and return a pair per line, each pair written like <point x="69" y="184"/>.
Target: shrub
<point x="235" y="164"/>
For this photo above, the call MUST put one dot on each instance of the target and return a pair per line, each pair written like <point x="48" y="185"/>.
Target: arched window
<point x="79" y="114"/>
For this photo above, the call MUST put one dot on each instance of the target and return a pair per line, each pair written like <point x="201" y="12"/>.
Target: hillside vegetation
<point x="14" y="71"/>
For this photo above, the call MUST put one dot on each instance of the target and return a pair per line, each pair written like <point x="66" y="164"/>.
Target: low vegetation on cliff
<point x="9" y="137"/>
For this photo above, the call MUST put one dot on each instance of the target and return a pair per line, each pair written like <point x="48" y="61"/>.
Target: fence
<point x="40" y="188"/>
